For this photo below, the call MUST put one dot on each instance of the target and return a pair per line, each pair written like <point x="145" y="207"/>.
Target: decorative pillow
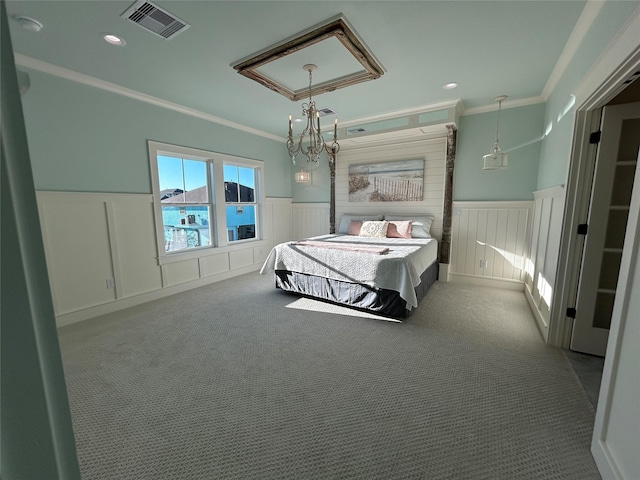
<point x="347" y="217"/>
<point x="374" y="229"/>
<point x="399" y="229"/>
<point x="354" y="227"/>
<point x="420" y="226"/>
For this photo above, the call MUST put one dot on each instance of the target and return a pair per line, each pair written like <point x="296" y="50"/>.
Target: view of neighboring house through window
<point x="186" y="202"/>
<point x="203" y="200"/>
<point x="240" y="200"/>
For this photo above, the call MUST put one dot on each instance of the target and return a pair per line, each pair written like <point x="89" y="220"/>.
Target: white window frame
<point x="216" y="161"/>
<point x="252" y="164"/>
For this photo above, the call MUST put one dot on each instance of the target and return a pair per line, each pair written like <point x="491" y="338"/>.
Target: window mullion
<point x="219" y="202"/>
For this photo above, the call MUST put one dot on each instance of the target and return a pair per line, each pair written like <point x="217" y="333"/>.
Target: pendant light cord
<point x="498" y="122"/>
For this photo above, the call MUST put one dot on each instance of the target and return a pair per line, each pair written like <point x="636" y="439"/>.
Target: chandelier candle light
<point x="496" y="158"/>
<point x="311" y="143"/>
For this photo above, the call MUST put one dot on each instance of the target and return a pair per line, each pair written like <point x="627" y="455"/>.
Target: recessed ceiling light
<point x="297" y="120"/>
<point x="29" y="23"/>
<point x="113" y="39"/>
<point x="450" y="86"/>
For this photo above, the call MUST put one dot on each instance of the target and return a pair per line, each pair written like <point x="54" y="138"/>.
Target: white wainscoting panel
<point x="279" y="221"/>
<point x="310" y="219"/>
<point x="214" y="264"/>
<point x="92" y="238"/>
<point x="181" y="272"/>
<point x="541" y="266"/>
<point x="77" y="247"/>
<point x="133" y="237"/>
<point x="432" y="151"/>
<point x="489" y="240"/>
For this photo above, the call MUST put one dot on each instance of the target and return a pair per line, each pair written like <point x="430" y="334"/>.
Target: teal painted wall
<point x="521" y="131"/>
<point x="318" y="189"/>
<point x="36" y="438"/>
<point x="560" y="113"/>
<point x="85" y="139"/>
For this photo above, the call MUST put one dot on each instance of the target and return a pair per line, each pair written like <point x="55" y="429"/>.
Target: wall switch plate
<point x="110" y="283"/>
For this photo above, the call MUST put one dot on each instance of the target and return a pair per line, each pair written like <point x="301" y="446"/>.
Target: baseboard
<point x="486" y="281"/>
<point x="542" y="325"/>
<point x="121" y="304"/>
<point x="443" y="272"/>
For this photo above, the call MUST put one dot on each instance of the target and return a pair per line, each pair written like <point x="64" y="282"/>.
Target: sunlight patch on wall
<point x="529" y="268"/>
<point x="516" y="261"/>
<point x="569" y="105"/>
<point x="545" y="290"/>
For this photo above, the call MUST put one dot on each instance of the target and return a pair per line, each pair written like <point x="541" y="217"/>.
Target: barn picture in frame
<point x="397" y="181"/>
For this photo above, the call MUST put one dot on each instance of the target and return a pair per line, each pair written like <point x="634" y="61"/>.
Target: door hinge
<point x="595" y="137"/>
<point x="583" y="228"/>
<point x="571" y="312"/>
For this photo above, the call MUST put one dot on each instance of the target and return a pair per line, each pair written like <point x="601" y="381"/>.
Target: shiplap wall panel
<point x="495" y="261"/>
<point x="541" y="256"/>
<point x="548" y="212"/>
<point x="281" y="221"/>
<point x="535" y="234"/>
<point x="432" y="151"/>
<point x="278" y="220"/>
<point x="489" y="239"/>
<point x="310" y="220"/>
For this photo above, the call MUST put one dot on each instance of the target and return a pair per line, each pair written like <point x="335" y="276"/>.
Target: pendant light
<point x="496" y="159"/>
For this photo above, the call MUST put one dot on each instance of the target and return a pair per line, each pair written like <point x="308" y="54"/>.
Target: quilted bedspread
<point x="397" y="269"/>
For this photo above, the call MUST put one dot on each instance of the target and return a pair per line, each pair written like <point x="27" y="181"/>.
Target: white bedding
<point x="399" y="269"/>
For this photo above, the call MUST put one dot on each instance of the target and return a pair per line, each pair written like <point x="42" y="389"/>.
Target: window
<point x="240" y="202"/>
<point x="203" y="200"/>
<point x="185" y="202"/>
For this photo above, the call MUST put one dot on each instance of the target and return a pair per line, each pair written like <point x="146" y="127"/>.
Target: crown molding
<point x="48" y="68"/>
<point x="401" y="113"/>
<point x="582" y="26"/>
<point x="619" y="60"/>
<point x="521" y="102"/>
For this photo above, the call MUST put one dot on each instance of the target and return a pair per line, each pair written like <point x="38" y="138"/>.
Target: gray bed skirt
<point x="355" y="295"/>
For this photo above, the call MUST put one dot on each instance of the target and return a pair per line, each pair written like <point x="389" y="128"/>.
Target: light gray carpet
<point x="238" y="380"/>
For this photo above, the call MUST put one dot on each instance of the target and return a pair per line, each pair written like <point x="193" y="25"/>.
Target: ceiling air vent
<point x="325" y="112"/>
<point x="356" y="130"/>
<point x="155" y="19"/>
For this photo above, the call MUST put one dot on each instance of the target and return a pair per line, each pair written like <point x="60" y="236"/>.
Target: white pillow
<point x="374" y="229"/>
<point x="420" y="225"/>
<point x="347" y="217"/>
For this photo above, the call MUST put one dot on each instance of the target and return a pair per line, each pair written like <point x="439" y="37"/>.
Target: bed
<point x="388" y="276"/>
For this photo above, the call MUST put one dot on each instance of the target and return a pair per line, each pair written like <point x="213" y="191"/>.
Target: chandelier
<point x="496" y="158"/>
<point x="311" y="143"/>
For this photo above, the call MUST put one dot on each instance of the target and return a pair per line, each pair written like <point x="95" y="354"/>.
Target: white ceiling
<point x="488" y="47"/>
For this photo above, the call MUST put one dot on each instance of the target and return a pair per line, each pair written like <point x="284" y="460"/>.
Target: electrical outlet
<point x="484" y="263"/>
<point x="110" y="283"/>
